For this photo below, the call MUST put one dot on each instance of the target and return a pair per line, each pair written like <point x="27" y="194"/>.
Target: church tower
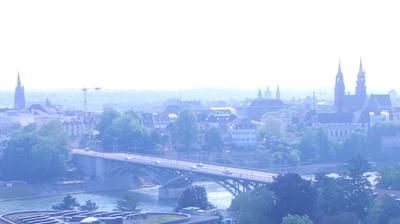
<point x="339" y="91"/>
<point x="361" y="89"/>
<point x="278" y="93"/>
<point x="19" y="95"/>
<point x="259" y="95"/>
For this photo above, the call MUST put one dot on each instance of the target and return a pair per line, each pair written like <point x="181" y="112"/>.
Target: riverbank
<point x="19" y="191"/>
<point x="106" y="200"/>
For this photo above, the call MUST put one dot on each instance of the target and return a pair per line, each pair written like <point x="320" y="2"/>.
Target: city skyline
<point x="218" y="45"/>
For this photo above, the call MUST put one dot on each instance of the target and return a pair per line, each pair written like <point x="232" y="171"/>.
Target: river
<point x="106" y="201"/>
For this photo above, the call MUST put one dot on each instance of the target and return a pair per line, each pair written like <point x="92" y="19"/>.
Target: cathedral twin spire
<point x="361" y="89"/>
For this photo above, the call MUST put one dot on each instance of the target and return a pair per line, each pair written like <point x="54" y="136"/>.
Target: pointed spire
<point x="278" y="93"/>
<point x="361" y="70"/>
<point x="260" y="94"/>
<point x="340" y="68"/>
<point x="18" y="80"/>
<point x="19" y="95"/>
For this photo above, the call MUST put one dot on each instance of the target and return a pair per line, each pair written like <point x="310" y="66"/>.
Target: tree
<point x="106" y="120"/>
<point x="331" y="194"/>
<point x="36" y="154"/>
<point x="359" y="194"/>
<point x="389" y="177"/>
<point x="68" y="203"/>
<point x="124" y="132"/>
<point x="383" y="211"/>
<point x="253" y="207"/>
<point x="273" y="127"/>
<point x="353" y="146"/>
<point x="184" y="130"/>
<point x="292" y="195"/>
<point x="213" y="140"/>
<point x="295" y="219"/>
<point x="193" y="196"/>
<point x="128" y="203"/>
<point x="89" y="206"/>
<point x="315" y="145"/>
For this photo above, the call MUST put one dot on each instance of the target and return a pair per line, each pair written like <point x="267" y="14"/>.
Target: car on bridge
<point x="227" y="171"/>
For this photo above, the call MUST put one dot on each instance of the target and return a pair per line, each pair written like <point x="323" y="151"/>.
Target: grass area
<point x="158" y="218"/>
<point x="15" y="217"/>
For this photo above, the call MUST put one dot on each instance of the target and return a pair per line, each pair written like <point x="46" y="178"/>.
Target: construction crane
<point x="85" y="102"/>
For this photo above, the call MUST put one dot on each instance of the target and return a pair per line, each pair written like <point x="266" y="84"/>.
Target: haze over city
<point x="168" y="45"/>
<point x="199" y="112"/>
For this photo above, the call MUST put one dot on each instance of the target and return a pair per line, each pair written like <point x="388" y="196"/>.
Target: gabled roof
<point x="378" y="102"/>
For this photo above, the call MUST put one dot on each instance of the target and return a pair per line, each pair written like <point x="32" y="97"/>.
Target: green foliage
<point x="386" y="129"/>
<point x="343" y="217"/>
<point x="128" y="203"/>
<point x="273" y="127"/>
<point x="315" y="145"/>
<point x="68" y="203"/>
<point x="293" y="195"/>
<point x="36" y="154"/>
<point x="184" y="130"/>
<point x="281" y="151"/>
<point x="331" y="193"/>
<point x="213" y="140"/>
<point x="123" y="132"/>
<point x="354" y="145"/>
<point x="89" y="206"/>
<point x="193" y="196"/>
<point x="295" y="219"/>
<point x="383" y="211"/>
<point x="253" y="207"/>
<point x="350" y="192"/>
<point x="389" y="177"/>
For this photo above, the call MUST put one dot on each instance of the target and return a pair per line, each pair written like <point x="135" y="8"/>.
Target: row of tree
<point x="346" y="198"/>
<point x="127" y="203"/>
<point x="315" y="145"/>
<point x="125" y="131"/>
<point x="36" y="154"/>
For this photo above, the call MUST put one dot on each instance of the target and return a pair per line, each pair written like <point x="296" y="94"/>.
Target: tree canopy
<point x="124" y="132"/>
<point x="36" y="154"/>
<point x="68" y="203"/>
<point x="253" y="207"/>
<point x="184" y="131"/>
<point x="292" y="195"/>
<point x="193" y="196"/>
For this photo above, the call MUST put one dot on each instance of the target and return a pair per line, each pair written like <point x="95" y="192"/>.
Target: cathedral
<point x="346" y="102"/>
<point x="19" y="95"/>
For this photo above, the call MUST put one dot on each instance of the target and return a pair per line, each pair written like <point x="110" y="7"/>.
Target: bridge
<point x="166" y="171"/>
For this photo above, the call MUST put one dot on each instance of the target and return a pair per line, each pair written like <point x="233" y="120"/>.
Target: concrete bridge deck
<point x="200" y="168"/>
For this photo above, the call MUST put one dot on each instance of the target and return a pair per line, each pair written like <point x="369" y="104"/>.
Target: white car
<point x="157" y="162"/>
<point x="199" y="164"/>
<point x="227" y="171"/>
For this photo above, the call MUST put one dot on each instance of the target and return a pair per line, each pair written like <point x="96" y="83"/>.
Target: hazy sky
<point x="198" y="44"/>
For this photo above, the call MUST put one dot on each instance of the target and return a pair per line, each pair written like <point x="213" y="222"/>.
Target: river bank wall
<point x="12" y="191"/>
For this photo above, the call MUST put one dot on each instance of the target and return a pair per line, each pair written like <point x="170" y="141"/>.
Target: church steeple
<point x="339" y="90"/>
<point x="259" y="95"/>
<point x="278" y="93"/>
<point x="19" y="95"/>
<point x="361" y="89"/>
